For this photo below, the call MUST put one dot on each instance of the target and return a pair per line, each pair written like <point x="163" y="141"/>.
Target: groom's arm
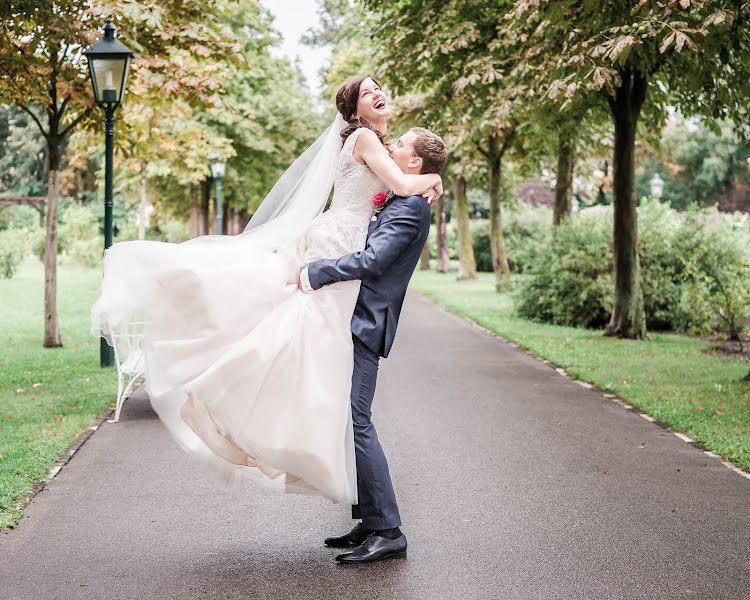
<point x="402" y="223"/>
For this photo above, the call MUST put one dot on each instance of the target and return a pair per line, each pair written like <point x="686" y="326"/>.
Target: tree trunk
<point x="467" y="264"/>
<point x="564" y="183"/>
<point x="424" y="258"/>
<point x="205" y="203"/>
<point x="497" y="242"/>
<point x="195" y="212"/>
<point x="443" y="258"/>
<point x="143" y="204"/>
<point x="628" y="318"/>
<point x="236" y="227"/>
<point x="52" y="337"/>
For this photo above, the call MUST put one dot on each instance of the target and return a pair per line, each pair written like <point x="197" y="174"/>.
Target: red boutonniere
<point x="380" y="200"/>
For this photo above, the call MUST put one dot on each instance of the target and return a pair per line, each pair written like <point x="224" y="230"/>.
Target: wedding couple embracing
<point x="261" y="350"/>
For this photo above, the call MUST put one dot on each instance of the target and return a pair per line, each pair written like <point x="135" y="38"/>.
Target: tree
<point x="344" y="27"/>
<point x="42" y="71"/>
<point x="619" y="50"/>
<point x="455" y="56"/>
<point x="467" y="264"/>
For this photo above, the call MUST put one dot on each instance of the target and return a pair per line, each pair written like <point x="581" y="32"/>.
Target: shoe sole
<point x="401" y="554"/>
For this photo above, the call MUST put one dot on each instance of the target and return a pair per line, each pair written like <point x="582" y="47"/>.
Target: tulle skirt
<point x="248" y="373"/>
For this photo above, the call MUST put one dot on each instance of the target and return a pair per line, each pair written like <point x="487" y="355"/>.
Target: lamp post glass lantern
<point x="109" y="63"/>
<point x="657" y="186"/>
<point x="218" y="168"/>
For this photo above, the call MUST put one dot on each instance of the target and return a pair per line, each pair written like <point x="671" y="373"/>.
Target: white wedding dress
<point x="248" y="373"/>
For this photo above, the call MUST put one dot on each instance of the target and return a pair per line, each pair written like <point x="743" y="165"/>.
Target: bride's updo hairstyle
<point x="346" y="103"/>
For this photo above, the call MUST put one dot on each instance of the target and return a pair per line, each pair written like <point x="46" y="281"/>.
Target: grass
<point x="669" y="377"/>
<point x="47" y="396"/>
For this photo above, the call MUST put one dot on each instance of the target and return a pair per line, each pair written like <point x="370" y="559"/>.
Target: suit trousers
<point x="377" y="506"/>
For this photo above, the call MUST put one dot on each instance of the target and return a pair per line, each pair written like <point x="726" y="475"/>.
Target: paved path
<point x="513" y="482"/>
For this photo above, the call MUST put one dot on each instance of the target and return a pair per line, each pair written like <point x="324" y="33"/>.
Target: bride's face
<point x="372" y="105"/>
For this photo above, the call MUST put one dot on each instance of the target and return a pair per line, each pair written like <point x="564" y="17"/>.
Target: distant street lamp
<point x="218" y="168"/>
<point x="109" y="62"/>
<point x="657" y="186"/>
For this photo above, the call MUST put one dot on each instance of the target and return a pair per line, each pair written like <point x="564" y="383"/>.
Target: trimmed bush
<point x="175" y="231"/>
<point x="715" y="275"/>
<point x="15" y="245"/>
<point x="526" y="231"/>
<point x="695" y="271"/>
<point x="572" y="277"/>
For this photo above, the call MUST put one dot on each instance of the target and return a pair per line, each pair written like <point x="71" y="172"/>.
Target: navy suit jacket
<point x="394" y="243"/>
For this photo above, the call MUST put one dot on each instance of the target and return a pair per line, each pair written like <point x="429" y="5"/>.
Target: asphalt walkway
<point x="513" y="483"/>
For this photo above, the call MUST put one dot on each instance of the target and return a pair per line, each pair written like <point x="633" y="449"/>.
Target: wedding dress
<point x="248" y="373"/>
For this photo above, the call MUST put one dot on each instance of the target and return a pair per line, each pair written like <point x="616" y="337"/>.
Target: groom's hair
<point x="431" y="149"/>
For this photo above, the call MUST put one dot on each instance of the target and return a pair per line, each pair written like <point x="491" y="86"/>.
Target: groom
<point x="394" y="243"/>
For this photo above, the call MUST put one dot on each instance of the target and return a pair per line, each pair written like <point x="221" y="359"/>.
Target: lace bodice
<point x="343" y="227"/>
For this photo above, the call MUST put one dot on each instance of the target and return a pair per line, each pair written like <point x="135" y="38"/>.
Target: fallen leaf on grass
<point x="57" y="418"/>
<point x="719" y="413"/>
<point x="36" y="385"/>
<point x="72" y="405"/>
<point x="699" y="408"/>
<point x="19" y="390"/>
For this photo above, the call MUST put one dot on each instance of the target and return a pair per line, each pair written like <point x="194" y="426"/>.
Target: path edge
<point x="25" y="499"/>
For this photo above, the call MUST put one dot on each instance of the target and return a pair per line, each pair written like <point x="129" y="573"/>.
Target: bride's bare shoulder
<point x="367" y="141"/>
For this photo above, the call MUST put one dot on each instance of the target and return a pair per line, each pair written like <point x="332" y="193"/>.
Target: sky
<point x="292" y="18"/>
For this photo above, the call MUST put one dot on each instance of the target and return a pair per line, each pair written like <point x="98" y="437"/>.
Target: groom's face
<point x="403" y="154"/>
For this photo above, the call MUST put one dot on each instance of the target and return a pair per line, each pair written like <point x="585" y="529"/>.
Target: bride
<point x="248" y="373"/>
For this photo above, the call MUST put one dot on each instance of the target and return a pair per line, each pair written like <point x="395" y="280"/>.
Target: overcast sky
<point x="292" y="18"/>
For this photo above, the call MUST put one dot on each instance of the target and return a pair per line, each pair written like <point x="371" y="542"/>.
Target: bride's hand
<point x="434" y="193"/>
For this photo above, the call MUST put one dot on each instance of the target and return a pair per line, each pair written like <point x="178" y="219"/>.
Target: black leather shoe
<point x="375" y="548"/>
<point x="351" y="540"/>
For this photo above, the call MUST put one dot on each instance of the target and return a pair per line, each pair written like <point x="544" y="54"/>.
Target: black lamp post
<point x="109" y="62"/>
<point x="218" y="168"/>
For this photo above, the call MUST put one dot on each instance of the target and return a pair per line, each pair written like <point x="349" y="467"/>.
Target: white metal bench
<point x="128" y="348"/>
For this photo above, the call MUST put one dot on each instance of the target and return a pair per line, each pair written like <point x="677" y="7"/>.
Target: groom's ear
<point x="415" y="162"/>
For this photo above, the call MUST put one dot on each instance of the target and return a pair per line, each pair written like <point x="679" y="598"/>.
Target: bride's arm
<point x="369" y="149"/>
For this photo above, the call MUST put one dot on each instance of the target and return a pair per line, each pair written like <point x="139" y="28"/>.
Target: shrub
<point x="480" y="239"/>
<point x="126" y="232"/>
<point x="526" y="231"/>
<point x="85" y="252"/>
<point x="175" y="231"/>
<point x="452" y="241"/>
<point x="661" y="262"/>
<point x="695" y="271"/>
<point x="715" y="275"/>
<point x="572" y="277"/>
<point x="15" y="245"/>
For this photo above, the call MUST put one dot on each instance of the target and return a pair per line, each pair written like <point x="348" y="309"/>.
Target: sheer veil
<point x="301" y="192"/>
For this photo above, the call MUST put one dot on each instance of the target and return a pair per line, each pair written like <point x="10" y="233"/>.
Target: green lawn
<point x="47" y="396"/>
<point x="669" y="377"/>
